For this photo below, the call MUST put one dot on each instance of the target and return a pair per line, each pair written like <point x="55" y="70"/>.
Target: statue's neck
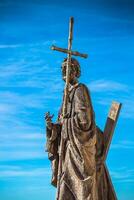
<point x="73" y="82"/>
<point x="72" y="86"/>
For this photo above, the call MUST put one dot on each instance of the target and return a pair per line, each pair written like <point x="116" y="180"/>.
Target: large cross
<point x="69" y="53"/>
<point x="107" y="135"/>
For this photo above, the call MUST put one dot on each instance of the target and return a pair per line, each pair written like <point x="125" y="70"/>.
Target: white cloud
<point x="44" y="43"/>
<point x="109" y="91"/>
<point x="128" y="106"/>
<point x="107" y="85"/>
<point x="5" y="46"/>
<point x="21" y="145"/>
<point x="21" y="155"/>
<point x="6" y="108"/>
<point x="123" y="175"/>
<point x="123" y="145"/>
<point x="12" y="102"/>
<point x="9" y="167"/>
<point x="25" y="136"/>
<point x="17" y="171"/>
<point x="25" y="140"/>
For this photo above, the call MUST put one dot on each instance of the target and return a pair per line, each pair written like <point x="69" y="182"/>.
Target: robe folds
<point x="80" y="144"/>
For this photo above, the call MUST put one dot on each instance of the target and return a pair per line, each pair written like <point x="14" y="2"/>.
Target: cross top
<point x="68" y="51"/>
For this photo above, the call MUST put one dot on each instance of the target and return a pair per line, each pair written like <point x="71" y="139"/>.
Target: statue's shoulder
<point x="81" y="90"/>
<point x="82" y="87"/>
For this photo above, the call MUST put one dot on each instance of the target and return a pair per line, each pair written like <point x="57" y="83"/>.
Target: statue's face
<point x="72" y="75"/>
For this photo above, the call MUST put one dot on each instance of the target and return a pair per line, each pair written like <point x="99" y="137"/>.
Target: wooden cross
<point x="108" y="133"/>
<point x="69" y="53"/>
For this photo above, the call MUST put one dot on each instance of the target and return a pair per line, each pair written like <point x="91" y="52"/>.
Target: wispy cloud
<point x="107" y="85"/>
<point x="128" y="106"/>
<point x="123" y="145"/>
<point x="26" y="136"/>
<point x="127" y="100"/>
<point x="19" y="141"/>
<point x="44" y="43"/>
<point x="123" y="175"/>
<point x="6" y="108"/>
<point x="18" y="171"/>
<point x="21" y="155"/>
<point x="13" y="101"/>
<point x="28" y="83"/>
<point x="109" y="91"/>
<point x="4" y="46"/>
<point x="31" y="73"/>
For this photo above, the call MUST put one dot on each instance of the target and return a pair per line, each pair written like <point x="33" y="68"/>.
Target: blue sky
<point x="30" y="85"/>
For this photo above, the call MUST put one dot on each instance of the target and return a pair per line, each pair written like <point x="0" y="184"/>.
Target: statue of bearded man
<point x="72" y="145"/>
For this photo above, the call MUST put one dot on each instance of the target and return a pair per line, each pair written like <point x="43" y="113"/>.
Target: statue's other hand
<point x="48" y="120"/>
<point x="61" y="119"/>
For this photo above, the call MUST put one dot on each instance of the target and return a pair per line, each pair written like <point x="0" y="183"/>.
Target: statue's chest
<point x="71" y="103"/>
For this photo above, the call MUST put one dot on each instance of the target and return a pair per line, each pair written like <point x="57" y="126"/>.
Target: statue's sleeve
<point x="84" y="115"/>
<point x="53" y="137"/>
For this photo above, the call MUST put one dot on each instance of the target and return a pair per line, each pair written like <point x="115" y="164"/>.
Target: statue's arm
<point x="52" y="145"/>
<point x="83" y="108"/>
<point x="53" y="136"/>
<point x="52" y="132"/>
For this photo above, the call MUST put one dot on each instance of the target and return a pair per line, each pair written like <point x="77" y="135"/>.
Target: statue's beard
<point x="72" y="81"/>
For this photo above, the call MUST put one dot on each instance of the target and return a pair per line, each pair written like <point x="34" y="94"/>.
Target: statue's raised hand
<point x="48" y="119"/>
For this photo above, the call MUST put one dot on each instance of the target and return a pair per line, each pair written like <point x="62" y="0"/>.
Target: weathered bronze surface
<point x="74" y="53"/>
<point x="76" y="147"/>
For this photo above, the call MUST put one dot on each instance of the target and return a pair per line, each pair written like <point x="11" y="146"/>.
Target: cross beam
<point x="110" y="126"/>
<point x="107" y="134"/>
<point x="74" y="53"/>
<point x="69" y="51"/>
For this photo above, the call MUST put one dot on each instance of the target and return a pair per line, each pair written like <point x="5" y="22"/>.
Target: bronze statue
<point x="76" y="147"/>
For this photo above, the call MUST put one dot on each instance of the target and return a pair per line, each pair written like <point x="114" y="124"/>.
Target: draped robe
<point x="81" y="149"/>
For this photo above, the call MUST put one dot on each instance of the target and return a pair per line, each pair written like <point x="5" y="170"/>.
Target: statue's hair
<point x="75" y="66"/>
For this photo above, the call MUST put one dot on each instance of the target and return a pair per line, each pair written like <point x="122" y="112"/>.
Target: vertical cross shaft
<point x="68" y="65"/>
<point x="69" y="53"/>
